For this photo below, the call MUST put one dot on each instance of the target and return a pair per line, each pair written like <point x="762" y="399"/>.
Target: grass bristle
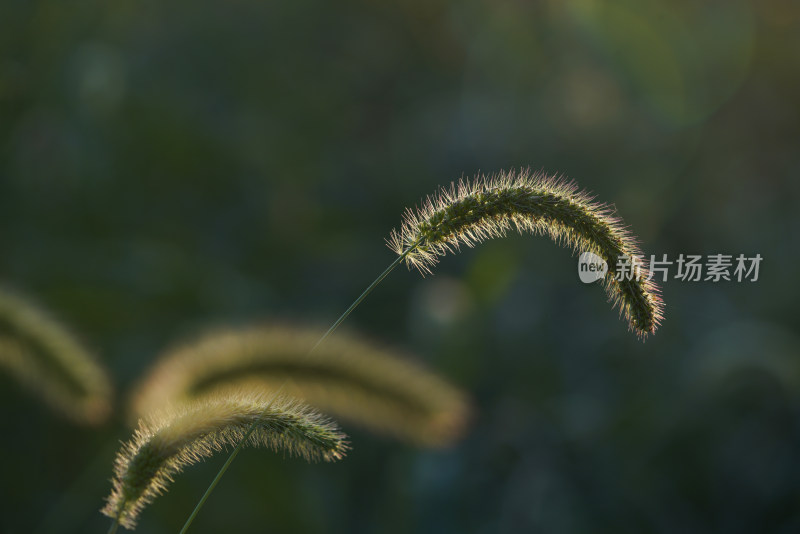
<point x="346" y="377"/>
<point x="176" y="437"/>
<point x="472" y="211"/>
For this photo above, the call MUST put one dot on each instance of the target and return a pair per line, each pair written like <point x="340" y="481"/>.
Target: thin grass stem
<point x="363" y="295"/>
<point x="115" y="525"/>
<point x="227" y="463"/>
<point x="325" y="336"/>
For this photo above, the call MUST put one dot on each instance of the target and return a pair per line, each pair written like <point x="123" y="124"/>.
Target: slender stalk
<point x="228" y="462"/>
<point x="325" y="336"/>
<point x="212" y="486"/>
<point x="115" y="525"/>
<point x="363" y="295"/>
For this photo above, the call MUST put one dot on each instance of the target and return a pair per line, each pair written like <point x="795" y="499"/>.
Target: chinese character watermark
<point x="686" y="267"/>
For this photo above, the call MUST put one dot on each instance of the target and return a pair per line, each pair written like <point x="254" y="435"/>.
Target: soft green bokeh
<point x="169" y="166"/>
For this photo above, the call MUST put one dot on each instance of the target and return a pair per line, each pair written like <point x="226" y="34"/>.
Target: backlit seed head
<point x="176" y="437"/>
<point x="470" y="212"/>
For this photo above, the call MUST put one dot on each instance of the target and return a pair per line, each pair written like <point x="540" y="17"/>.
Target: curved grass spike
<point x="487" y="207"/>
<point x="44" y="356"/>
<point x="346" y="378"/>
<point x="165" y="443"/>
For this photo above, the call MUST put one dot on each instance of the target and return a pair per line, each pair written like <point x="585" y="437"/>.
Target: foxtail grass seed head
<point x="346" y="377"/>
<point x="174" y="438"/>
<point x="46" y="358"/>
<point x="470" y="212"/>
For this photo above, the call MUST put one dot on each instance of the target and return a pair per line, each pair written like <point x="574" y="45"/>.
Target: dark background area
<point x="170" y="166"/>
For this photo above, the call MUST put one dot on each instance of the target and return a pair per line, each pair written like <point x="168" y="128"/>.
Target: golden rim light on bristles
<point x="166" y="442"/>
<point x="470" y="212"/>
<point x="346" y="377"/>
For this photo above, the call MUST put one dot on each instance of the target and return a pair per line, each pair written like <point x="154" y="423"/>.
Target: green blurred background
<point x="170" y="166"/>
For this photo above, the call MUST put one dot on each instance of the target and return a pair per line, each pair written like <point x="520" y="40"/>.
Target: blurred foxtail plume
<point x="47" y="358"/>
<point x="346" y="376"/>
